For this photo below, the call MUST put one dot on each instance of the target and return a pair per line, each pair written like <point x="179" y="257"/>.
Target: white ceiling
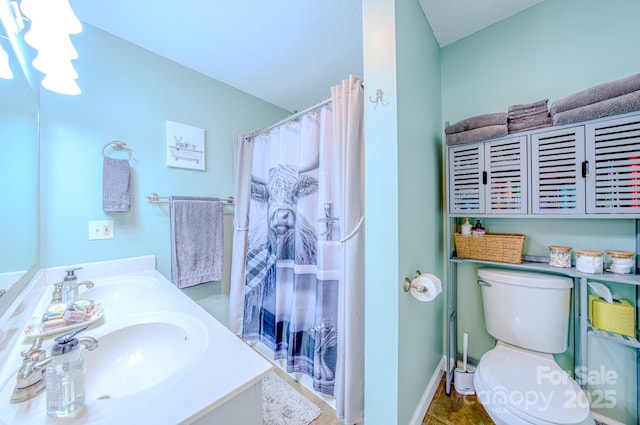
<point x="452" y="20"/>
<point x="287" y="52"/>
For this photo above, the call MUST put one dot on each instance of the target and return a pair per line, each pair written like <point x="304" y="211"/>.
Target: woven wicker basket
<point x="502" y="248"/>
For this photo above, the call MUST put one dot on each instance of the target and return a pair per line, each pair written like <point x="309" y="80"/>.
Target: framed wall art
<point x="185" y="146"/>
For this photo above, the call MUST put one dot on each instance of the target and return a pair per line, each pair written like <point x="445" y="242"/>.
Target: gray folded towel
<point x="197" y="240"/>
<point x="540" y="104"/>
<point x="532" y="124"/>
<point x="116" y="182"/>
<point x="597" y="94"/>
<point x="486" y="120"/>
<point x="477" y="134"/>
<point x="629" y="102"/>
<point x="528" y="118"/>
<point x="514" y="116"/>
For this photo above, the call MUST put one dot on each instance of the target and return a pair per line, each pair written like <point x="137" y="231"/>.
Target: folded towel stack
<point x="481" y="127"/>
<point x="529" y="117"/>
<point x="612" y="98"/>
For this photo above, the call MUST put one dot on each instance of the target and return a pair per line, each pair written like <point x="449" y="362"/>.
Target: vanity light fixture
<point x="52" y="22"/>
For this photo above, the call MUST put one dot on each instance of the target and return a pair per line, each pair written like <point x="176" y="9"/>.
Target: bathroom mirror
<point x="19" y="176"/>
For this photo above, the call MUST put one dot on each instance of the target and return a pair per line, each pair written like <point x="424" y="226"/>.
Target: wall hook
<point x="379" y="97"/>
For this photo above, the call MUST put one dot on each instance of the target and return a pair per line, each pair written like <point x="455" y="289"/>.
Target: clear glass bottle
<point x="64" y="377"/>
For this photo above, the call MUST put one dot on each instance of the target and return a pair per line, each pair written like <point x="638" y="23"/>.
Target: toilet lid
<point x="533" y="385"/>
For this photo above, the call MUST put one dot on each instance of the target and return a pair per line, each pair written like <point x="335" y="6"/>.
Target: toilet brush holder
<point x="463" y="381"/>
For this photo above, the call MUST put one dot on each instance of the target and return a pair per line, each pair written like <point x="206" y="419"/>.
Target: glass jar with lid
<point x="560" y="256"/>
<point x="589" y="261"/>
<point x="621" y="261"/>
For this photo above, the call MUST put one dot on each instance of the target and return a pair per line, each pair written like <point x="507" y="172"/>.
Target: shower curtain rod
<point x="287" y="119"/>
<point x="290" y="118"/>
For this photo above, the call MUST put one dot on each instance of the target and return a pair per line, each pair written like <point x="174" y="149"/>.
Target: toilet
<point x="518" y="381"/>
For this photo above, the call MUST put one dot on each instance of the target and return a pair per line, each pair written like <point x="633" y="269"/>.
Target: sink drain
<point x="104" y="397"/>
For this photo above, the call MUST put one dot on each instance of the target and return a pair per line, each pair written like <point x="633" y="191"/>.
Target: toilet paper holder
<point x="408" y="284"/>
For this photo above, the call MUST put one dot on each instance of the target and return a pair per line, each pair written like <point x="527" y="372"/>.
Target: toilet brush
<point x="463" y="378"/>
<point x="465" y="347"/>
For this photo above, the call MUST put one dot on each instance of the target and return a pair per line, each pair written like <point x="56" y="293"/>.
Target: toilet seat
<point x="531" y="386"/>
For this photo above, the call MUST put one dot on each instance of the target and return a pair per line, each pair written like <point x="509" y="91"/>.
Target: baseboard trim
<point x="429" y="392"/>
<point x="605" y="420"/>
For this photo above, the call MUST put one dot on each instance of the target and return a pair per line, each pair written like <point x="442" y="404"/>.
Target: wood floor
<point x="455" y="409"/>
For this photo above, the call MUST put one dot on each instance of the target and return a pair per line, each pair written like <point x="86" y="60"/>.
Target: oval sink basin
<point x="119" y="289"/>
<point x="138" y="356"/>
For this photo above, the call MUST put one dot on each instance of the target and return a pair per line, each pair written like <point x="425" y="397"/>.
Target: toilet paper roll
<point x="426" y="287"/>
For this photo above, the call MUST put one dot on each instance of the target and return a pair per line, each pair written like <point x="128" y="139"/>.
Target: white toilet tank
<point x="529" y="310"/>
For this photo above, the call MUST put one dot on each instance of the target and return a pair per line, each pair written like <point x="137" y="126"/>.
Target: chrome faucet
<point x="30" y="376"/>
<point x="70" y="286"/>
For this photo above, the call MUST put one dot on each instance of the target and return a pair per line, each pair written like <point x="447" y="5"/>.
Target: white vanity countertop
<point x="226" y="367"/>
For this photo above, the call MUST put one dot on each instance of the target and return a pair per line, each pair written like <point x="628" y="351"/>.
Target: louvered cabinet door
<point x="557" y="185"/>
<point x="466" y="190"/>
<point x="613" y="152"/>
<point x="506" y="186"/>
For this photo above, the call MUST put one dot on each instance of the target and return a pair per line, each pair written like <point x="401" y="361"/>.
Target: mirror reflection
<point x="19" y="161"/>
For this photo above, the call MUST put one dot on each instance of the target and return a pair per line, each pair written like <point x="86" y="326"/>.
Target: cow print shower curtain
<point x="294" y="253"/>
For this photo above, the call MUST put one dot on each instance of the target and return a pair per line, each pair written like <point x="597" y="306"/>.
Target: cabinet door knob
<point x="484" y="177"/>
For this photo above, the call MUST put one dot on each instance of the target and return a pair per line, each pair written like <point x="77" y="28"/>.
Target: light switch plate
<point x="100" y="229"/>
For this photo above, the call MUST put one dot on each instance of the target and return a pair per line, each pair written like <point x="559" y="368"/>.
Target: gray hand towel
<point x="618" y="105"/>
<point x="597" y="94"/>
<point x="197" y="240"/>
<point x="116" y="183"/>
<point x="485" y="120"/>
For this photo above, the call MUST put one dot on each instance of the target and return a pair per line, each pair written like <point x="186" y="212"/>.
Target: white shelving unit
<point x="583" y="328"/>
<point x="583" y="170"/>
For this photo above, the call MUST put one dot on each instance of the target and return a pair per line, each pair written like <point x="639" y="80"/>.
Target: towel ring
<point x="115" y="145"/>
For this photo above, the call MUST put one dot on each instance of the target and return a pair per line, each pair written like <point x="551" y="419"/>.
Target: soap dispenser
<point x="64" y="376"/>
<point x="70" y="286"/>
<point x="466" y="227"/>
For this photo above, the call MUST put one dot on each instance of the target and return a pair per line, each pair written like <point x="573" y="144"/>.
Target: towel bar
<point x="154" y="198"/>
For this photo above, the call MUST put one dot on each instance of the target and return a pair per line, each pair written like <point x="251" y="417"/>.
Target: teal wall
<point x="547" y="52"/>
<point x="403" y="337"/>
<point x="420" y="201"/>
<point x="128" y="94"/>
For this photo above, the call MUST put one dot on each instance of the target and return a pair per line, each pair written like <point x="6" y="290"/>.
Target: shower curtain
<point x="298" y="286"/>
